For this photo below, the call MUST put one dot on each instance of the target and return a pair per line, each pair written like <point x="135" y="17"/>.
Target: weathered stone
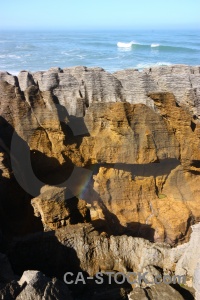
<point x="25" y="80"/>
<point x="130" y="122"/>
<point x="9" y="291"/>
<point x="155" y="292"/>
<point x="163" y="291"/>
<point x="196" y="281"/>
<point x="40" y="287"/>
<point x="189" y="259"/>
<point x="5" y="76"/>
<point x="137" y="294"/>
<point x="80" y="248"/>
<point x="57" y="209"/>
<point x="90" y="250"/>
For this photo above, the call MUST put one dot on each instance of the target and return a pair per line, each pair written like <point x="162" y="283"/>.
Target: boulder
<point x="39" y="287"/>
<point x="57" y="208"/>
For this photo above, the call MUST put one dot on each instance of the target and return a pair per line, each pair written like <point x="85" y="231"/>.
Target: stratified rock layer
<point x="57" y="211"/>
<point x="79" y="248"/>
<point x="136" y="134"/>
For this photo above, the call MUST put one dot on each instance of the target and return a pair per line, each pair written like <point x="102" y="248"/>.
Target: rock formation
<point x="119" y="151"/>
<point x="57" y="211"/>
<point x="79" y="247"/>
<point x="131" y="129"/>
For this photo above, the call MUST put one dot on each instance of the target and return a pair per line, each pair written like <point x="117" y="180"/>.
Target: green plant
<point x="161" y="196"/>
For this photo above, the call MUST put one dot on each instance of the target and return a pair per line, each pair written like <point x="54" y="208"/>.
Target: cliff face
<point x="127" y="143"/>
<point x="79" y="248"/>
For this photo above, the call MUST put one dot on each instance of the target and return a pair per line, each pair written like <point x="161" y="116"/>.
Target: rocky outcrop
<point x="128" y="131"/>
<point x="196" y="281"/>
<point x="189" y="254"/>
<point x="79" y="248"/>
<point x="35" y="285"/>
<point x="118" y="151"/>
<point x="155" y="292"/>
<point x="10" y="290"/>
<point x="38" y="286"/>
<point x="181" y="80"/>
<point x="56" y="210"/>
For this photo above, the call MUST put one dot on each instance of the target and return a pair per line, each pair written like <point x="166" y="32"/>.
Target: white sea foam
<point x="154" y="45"/>
<point x="9" y="56"/>
<point x="13" y="56"/>
<point x="125" y="45"/>
<point x="111" y="58"/>
<point x="81" y="56"/>
<point x="12" y="72"/>
<point x="149" y="65"/>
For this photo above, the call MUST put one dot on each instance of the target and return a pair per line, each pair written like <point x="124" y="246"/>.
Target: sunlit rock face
<point x="132" y="136"/>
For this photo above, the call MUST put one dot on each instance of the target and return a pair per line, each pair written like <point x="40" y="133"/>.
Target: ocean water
<point x="112" y="51"/>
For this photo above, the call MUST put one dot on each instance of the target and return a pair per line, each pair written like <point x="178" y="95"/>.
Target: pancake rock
<point x="56" y="211"/>
<point x="80" y="248"/>
<point x="134" y="134"/>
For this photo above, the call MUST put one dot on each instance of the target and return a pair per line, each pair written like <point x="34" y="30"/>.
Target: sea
<point x="111" y="50"/>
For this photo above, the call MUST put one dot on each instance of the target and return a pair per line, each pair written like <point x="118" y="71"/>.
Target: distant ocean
<point x="112" y="51"/>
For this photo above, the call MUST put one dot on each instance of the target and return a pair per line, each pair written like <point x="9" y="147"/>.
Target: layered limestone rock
<point x="135" y="134"/>
<point x="39" y="287"/>
<point x="56" y="210"/>
<point x="155" y="293"/>
<point x="79" y="248"/>
<point x="181" y="80"/>
<point x="34" y="285"/>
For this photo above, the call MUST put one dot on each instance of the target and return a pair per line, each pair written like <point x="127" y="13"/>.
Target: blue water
<point x="112" y="51"/>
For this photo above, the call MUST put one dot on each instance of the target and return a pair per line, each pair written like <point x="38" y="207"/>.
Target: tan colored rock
<point x="129" y="128"/>
<point x="125" y="133"/>
<point x="137" y="293"/>
<point x="5" y="76"/>
<point x="155" y="292"/>
<point x="165" y="291"/>
<point x="133" y="205"/>
<point x="179" y="120"/>
<point x="56" y="209"/>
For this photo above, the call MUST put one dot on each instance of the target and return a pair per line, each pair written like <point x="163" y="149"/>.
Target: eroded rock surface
<point x="38" y="286"/>
<point x="156" y="292"/>
<point x="136" y="133"/>
<point x="56" y="210"/>
<point x="79" y="248"/>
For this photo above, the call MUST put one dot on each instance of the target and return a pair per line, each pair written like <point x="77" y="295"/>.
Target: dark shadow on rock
<point x="75" y="215"/>
<point x="137" y="229"/>
<point x="48" y="169"/>
<point x="44" y="252"/>
<point x="162" y="167"/>
<point x="73" y="127"/>
<point x="111" y="224"/>
<point x="16" y="212"/>
<point x="195" y="164"/>
<point x="185" y="293"/>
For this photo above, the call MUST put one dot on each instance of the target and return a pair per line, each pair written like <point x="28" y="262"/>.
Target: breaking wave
<point x="155" y="45"/>
<point x="164" y="48"/>
<point x="126" y="45"/>
<point x="150" y="65"/>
